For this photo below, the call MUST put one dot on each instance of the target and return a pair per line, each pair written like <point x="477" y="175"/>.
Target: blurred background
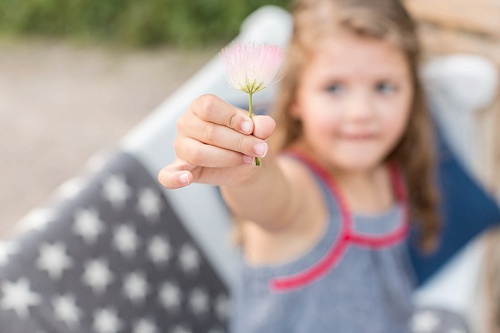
<point x="76" y="75"/>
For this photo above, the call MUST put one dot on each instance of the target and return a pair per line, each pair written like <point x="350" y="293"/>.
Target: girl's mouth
<point x="358" y="136"/>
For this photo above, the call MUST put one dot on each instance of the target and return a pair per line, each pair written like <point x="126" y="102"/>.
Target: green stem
<point x="250" y="114"/>
<point x="250" y="105"/>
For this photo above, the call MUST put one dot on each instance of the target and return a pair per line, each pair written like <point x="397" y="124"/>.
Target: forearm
<point x="263" y="197"/>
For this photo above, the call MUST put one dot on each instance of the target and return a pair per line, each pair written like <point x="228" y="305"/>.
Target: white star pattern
<point x="170" y="296"/>
<point x="145" y="326"/>
<point x="88" y="225"/>
<point x="135" y="287"/>
<point x="6" y="250"/>
<point x="37" y="219"/>
<point x="181" y="329"/>
<point x="107" y="321"/>
<point x="424" y="322"/>
<point x="198" y="301"/>
<point x="97" y="275"/>
<point x="71" y="188"/>
<point x="189" y="258"/>
<point x="149" y="204"/>
<point x="116" y="191"/>
<point x="18" y="296"/>
<point x="159" y="250"/>
<point x="98" y="161"/>
<point x="125" y="240"/>
<point x="65" y="310"/>
<point x="113" y="242"/>
<point x="53" y="259"/>
<point x="222" y="307"/>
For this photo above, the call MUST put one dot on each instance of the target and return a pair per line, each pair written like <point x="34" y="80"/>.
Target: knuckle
<point x="194" y="156"/>
<point x="188" y="152"/>
<point x="209" y="133"/>
<point x="205" y="104"/>
<point x="241" y="142"/>
<point x="232" y="120"/>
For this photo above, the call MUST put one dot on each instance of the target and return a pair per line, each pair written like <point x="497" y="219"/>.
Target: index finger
<point x="213" y="109"/>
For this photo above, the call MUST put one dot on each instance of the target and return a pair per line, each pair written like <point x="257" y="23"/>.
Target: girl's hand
<point x="216" y="144"/>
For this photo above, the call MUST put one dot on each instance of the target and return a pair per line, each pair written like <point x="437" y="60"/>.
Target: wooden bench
<point x="449" y="26"/>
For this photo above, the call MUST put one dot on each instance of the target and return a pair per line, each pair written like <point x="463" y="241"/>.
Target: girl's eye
<point x="335" y="88"/>
<point x="385" y="88"/>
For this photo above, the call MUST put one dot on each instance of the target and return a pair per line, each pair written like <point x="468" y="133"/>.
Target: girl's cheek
<point x="325" y="123"/>
<point x="329" y="116"/>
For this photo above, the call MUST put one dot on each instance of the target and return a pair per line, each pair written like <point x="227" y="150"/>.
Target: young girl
<point x="326" y="215"/>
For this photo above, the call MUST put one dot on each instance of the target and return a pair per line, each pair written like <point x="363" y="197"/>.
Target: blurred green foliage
<point x="133" y="22"/>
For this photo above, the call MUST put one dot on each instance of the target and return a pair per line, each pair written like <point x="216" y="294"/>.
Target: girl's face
<point x="354" y="99"/>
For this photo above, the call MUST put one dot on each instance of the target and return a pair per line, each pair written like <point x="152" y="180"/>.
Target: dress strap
<point x="347" y="236"/>
<point x="398" y="185"/>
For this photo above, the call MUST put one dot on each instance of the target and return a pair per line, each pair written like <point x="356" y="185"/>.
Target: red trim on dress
<point x="347" y="236"/>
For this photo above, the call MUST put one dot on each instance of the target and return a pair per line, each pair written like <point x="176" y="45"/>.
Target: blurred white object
<point x="459" y="86"/>
<point x="467" y="82"/>
<point x="268" y="24"/>
<point x="455" y="286"/>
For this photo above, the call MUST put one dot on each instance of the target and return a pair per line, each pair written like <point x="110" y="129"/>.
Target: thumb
<point x="175" y="175"/>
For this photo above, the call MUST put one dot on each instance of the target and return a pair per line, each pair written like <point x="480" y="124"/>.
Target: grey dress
<point x="357" y="278"/>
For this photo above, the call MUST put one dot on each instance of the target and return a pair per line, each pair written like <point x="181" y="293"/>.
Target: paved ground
<point x="60" y="103"/>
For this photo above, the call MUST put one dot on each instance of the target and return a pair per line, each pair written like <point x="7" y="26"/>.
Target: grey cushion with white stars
<point x="111" y="257"/>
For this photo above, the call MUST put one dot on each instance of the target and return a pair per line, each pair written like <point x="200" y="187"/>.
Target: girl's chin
<point x="357" y="164"/>
<point x="347" y="160"/>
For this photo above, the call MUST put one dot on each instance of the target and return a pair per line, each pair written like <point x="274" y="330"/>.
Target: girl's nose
<point x="360" y="107"/>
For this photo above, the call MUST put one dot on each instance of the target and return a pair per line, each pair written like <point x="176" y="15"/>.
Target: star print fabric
<point x="438" y="320"/>
<point x="109" y="257"/>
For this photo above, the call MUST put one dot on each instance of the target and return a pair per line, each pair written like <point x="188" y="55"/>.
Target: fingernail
<point x="184" y="178"/>
<point x="246" y="126"/>
<point x="260" y="149"/>
<point x="247" y="159"/>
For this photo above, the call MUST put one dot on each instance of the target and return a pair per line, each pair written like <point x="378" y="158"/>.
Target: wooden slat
<point x="441" y="41"/>
<point x="481" y="16"/>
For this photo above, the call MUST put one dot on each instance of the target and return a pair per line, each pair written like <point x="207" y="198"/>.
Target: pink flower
<point x="251" y="67"/>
